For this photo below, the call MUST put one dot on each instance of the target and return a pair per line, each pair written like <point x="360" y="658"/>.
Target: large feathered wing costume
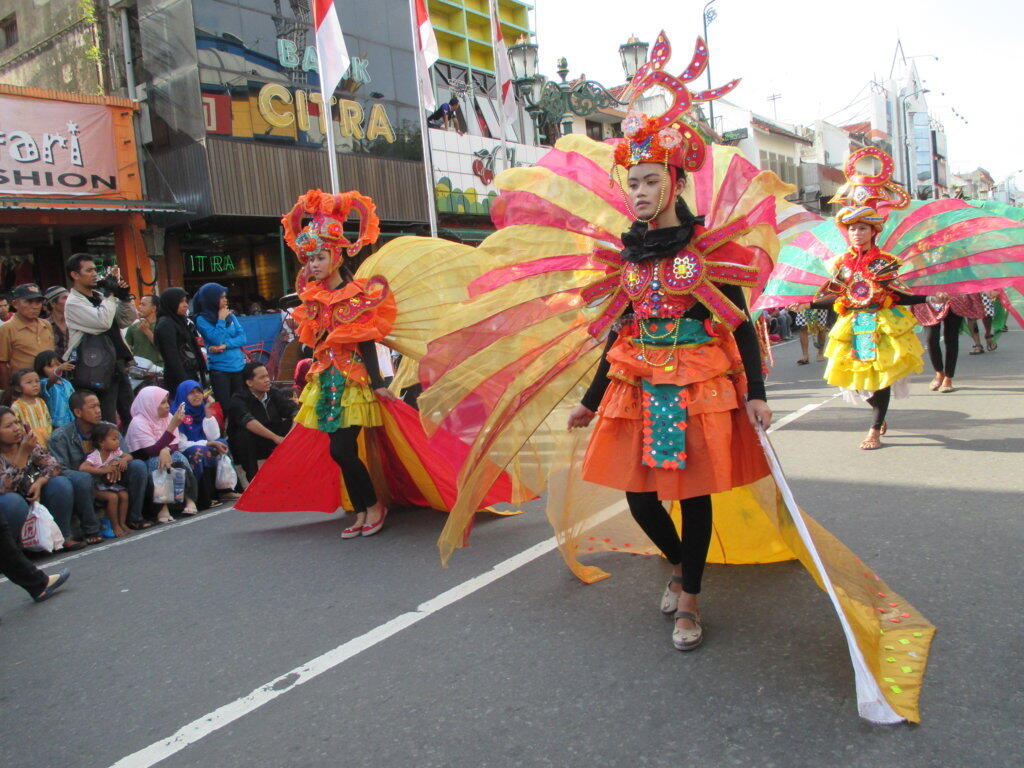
<point x="948" y="245"/>
<point x="533" y="329"/>
<point x="535" y="324"/>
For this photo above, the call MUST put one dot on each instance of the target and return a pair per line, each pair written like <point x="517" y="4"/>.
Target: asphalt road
<point x="202" y="629"/>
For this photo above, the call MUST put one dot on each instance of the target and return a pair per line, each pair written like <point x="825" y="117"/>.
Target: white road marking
<point x="214" y="721"/>
<point x="789" y="418"/>
<point x="95" y="549"/>
<point x="207" y="724"/>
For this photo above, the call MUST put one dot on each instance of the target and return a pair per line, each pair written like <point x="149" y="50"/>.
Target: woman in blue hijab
<point x="224" y="337"/>
<point x="200" y="433"/>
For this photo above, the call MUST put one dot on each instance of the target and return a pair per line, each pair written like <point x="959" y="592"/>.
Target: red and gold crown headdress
<point x="866" y="198"/>
<point x="666" y="138"/>
<point x="326" y="229"/>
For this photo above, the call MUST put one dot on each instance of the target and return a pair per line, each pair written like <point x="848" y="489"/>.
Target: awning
<point x="75" y="204"/>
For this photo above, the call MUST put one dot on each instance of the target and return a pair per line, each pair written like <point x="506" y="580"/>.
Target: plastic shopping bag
<point x="163" y="486"/>
<point x="40" y="532"/>
<point x="227" y="478"/>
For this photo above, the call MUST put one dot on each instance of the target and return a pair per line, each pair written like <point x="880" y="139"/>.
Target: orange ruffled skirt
<point x="722" y="449"/>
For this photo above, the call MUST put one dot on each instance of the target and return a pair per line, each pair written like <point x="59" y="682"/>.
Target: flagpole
<point x="502" y="117"/>
<point x="332" y="150"/>
<point x="428" y="158"/>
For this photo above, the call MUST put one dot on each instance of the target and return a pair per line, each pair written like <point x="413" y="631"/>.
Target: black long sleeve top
<point x="368" y="351"/>
<point x="746" y="341"/>
<point x="902" y="298"/>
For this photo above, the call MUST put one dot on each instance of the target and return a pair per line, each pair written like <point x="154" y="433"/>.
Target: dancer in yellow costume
<point x="872" y="347"/>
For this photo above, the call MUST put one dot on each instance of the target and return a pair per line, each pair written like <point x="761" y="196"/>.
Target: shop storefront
<point x="69" y="183"/>
<point x="237" y="131"/>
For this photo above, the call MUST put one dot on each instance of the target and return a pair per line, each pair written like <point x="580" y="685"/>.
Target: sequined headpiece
<point x="867" y="198"/>
<point x="666" y="139"/>
<point x="326" y="229"/>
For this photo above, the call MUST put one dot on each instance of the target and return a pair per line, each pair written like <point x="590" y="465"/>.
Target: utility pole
<point x="774" y="99"/>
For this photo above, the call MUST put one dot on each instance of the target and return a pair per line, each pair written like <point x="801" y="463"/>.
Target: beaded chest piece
<point x="670" y="285"/>
<point x="864" y="280"/>
<point x="323" y="316"/>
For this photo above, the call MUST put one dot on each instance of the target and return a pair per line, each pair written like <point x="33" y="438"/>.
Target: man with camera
<point x="96" y="311"/>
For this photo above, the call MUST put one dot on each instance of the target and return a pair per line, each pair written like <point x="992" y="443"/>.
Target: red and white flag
<point x="426" y="52"/>
<point x="502" y="66"/>
<point x="331" y="53"/>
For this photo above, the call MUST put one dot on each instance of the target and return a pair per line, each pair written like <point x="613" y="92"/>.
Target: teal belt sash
<point x="665" y="405"/>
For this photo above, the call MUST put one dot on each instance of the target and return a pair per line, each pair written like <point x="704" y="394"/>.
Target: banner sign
<point x="56" y="148"/>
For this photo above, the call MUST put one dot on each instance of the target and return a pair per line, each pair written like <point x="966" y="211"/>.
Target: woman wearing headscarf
<point x="201" y="441"/>
<point x="153" y="437"/>
<point x="175" y="337"/>
<point x="224" y="337"/>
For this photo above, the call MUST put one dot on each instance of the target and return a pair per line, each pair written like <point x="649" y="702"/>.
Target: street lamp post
<point x="550" y="101"/>
<point x="709" y="15"/>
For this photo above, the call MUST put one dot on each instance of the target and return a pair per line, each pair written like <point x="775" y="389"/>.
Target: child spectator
<point x="107" y="441"/>
<point x="29" y="406"/>
<point x="56" y="389"/>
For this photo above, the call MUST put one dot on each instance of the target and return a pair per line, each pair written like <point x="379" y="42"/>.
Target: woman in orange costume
<point x="681" y="382"/>
<point x="348" y="420"/>
<point x="340" y="319"/>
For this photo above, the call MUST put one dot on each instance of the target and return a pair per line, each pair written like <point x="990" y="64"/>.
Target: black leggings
<point x="692" y="551"/>
<point x="950" y="325"/>
<point x="879" y="403"/>
<point x="345" y="452"/>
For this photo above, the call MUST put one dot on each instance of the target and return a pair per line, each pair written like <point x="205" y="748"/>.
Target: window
<point x="8" y="32"/>
<point x="594" y="130"/>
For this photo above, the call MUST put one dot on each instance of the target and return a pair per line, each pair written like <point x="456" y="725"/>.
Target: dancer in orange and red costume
<point x="354" y="445"/>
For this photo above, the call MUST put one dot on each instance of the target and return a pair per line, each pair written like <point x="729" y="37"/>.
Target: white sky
<point x="800" y="49"/>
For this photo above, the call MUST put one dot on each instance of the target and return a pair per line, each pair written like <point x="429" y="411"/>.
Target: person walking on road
<point x="944" y="322"/>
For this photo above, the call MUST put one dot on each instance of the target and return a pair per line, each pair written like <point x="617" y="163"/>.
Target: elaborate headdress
<point x="666" y="138"/>
<point x="866" y="198"/>
<point x="326" y="229"/>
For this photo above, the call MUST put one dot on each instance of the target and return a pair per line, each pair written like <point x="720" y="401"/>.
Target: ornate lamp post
<point x="549" y="101"/>
<point x="634" y="55"/>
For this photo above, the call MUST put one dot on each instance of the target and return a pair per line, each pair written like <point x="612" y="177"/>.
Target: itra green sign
<point x="199" y="262"/>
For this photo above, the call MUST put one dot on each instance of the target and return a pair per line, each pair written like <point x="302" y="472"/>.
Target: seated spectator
<point x="56" y="389"/>
<point x="95" y="320"/>
<point x="20" y="570"/>
<point x="28" y="404"/>
<point x="26" y="334"/>
<point x="175" y="336"/>
<point x="70" y="445"/>
<point x="54" y="299"/>
<point x="29" y="473"/>
<point x="102" y="465"/>
<point x="258" y="418"/>
<point x="5" y="308"/>
<point x="153" y="437"/>
<point x="201" y="441"/>
<point x="224" y="337"/>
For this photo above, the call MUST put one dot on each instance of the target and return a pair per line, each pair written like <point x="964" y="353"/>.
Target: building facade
<point x="237" y="130"/>
<point x="70" y="182"/>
